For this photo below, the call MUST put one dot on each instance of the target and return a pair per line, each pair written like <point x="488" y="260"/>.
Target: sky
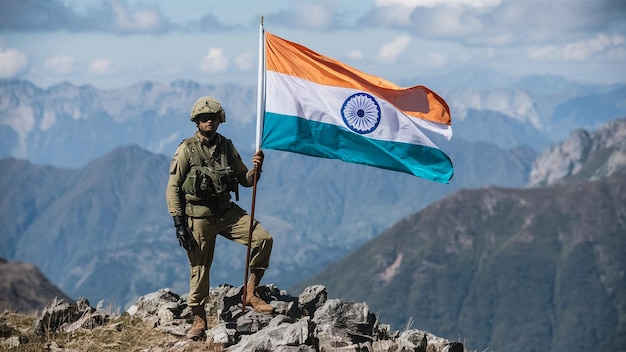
<point x="116" y="43"/>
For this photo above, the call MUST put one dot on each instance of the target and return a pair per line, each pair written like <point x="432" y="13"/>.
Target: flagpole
<point x="256" y="170"/>
<point x="260" y="104"/>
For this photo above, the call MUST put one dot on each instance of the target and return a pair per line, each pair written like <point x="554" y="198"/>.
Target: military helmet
<point x="207" y="105"/>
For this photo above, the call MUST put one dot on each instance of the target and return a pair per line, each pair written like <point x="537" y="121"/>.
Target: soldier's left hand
<point x="257" y="159"/>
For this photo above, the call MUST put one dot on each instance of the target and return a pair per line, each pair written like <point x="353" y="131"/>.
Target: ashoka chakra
<point x="361" y="113"/>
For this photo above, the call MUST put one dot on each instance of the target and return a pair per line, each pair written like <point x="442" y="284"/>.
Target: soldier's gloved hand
<point x="183" y="233"/>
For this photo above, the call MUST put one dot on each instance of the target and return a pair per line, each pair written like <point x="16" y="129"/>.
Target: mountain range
<point x="514" y="269"/>
<point x="84" y="174"/>
<point x="537" y="269"/>
<point x="86" y="170"/>
<point x="510" y="269"/>
<point x="68" y="126"/>
<point x="103" y="231"/>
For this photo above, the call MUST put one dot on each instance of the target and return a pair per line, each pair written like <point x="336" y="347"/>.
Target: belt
<point x="221" y="211"/>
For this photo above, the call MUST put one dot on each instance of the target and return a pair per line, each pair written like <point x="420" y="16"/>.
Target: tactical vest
<point x="210" y="179"/>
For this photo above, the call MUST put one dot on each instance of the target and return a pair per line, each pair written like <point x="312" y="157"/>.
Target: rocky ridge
<point x="23" y="288"/>
<point x="44" y="125"/>
<point x="518" y="104"/>
<point x="308" y="322"/>
<point x="585" y="155"/>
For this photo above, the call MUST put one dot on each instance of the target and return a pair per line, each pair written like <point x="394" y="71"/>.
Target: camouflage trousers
<point x="233" y="225"/>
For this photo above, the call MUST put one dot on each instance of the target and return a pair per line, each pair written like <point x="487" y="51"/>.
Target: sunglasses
<point x="207" y="116"/>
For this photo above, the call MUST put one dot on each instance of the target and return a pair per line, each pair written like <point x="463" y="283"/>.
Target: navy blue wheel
<point x="361" y="113"/>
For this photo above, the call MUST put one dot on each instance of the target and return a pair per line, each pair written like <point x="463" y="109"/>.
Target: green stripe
<point x="294" y="134"/>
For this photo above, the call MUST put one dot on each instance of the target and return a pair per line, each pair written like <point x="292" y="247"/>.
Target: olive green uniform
<point x="209" y="219"/>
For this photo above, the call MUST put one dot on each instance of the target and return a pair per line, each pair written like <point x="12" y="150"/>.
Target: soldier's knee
<point x="266" y="243"/>
<point x="262" y="235"/>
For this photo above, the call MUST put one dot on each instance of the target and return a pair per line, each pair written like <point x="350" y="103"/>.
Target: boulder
<point x="307" y="322"/>
<point x="304" y="323"/>
<point x="67" y="317"/>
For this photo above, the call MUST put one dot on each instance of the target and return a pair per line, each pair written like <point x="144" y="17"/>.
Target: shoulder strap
<point x="194" y="151"/>
<point x="225" y="152"/>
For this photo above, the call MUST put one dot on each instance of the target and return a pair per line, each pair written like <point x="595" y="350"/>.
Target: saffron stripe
<point x="296" y="60"/>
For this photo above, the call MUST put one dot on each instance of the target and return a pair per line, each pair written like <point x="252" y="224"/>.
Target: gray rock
<point x="12" y="342"/>
<point x="307" y="323"/>
<point x="302" y="348"/>
<point x="283" y="331"/>
<point x="412" y="340"/>
<point x="163" y="309"/>
<point x="252" y="322"/>
<point x="352" y="316"/>
<point x="312" y="298"/>
<point x="252" y="343"/>
<point x="60" y="316"/>
<point x="384" y="346"/>
<point x="224" y="296"/>
<point x="221" y="334"/>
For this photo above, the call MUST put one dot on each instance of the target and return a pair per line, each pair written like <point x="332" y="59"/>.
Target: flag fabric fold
<point x="318" y="106"/>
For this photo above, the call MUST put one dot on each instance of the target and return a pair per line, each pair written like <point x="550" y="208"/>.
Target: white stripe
<point x="290" y="95"/>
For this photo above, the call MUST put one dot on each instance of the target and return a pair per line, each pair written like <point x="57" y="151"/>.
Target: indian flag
<point x="317" y="106"/>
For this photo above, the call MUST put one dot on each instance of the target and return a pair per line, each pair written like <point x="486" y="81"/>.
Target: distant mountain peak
<point x="23" y="288"/>
<point x="584" y="156"/>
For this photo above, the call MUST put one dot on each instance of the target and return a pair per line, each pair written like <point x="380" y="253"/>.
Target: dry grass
<point x="125" y="333"/>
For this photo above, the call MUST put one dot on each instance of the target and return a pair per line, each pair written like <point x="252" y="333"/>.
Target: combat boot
<point x="198" y="328"/>
<point x="256" y="302"/>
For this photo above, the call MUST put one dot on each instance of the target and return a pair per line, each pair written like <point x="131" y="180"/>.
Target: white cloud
<point x="355" y="54"/>
<point x="437" y="60"/>
<point x="432" y="3"/>
<point x="314" y="15"/>
<point x="246" y="61"/>
<point x="318" y="15"/>
<point x="394" y="16"/>
<point x="83" y="16"/>
<point x="616" y="54"/>
<point x="390" y="52"/>
<point x="583" y="50"/>
<point x="143" y="20"/>
<point x="429" y="17"/>
<point x="600" y="46"/>
<point x="13" y="63"/>
<point x="499" y="22"/>
<point x="453" y="21"/>
<point x="100" y="67"/>
<point x="61" y="64"/>
<point x="214" y="61"/>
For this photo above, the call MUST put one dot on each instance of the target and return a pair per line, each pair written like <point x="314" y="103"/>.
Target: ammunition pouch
<point x="210" y="180"/>
<point x="206" y="182"/>
<point x="207" y="190"/>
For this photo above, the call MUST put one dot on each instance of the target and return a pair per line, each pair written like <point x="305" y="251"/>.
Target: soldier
<point x="205" y="169"/>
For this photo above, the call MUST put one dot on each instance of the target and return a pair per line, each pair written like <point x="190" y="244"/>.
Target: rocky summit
<point x="307" y="322"/>
<point x="584" y="156"/>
